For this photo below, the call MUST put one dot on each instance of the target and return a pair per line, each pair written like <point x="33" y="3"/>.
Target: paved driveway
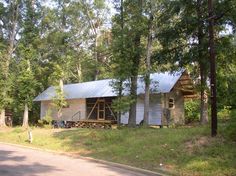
<point x="19" y="161"/>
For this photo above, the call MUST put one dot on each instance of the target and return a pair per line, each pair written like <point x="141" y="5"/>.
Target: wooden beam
<point x="185" y="79"/>
<point x="186" y="84"/>
<point x="191" y="97"/>
<point x="92" y="109"/>
<point x="111" y="111"/>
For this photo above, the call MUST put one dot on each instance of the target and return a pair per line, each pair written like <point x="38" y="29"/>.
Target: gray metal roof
<point x="160" y="83"/>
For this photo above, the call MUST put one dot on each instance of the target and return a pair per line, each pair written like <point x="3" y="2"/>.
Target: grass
<point x="180" y="151"/>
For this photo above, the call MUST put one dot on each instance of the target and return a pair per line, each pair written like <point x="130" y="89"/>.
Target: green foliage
<point x="5" y="92"/>
<point x="129" y="26"/>
<point x="59" y="99"/>
<point x="26" y="84"/>
<point x="226" y="74"/>
<point x="57" y="75"/>
<point x="71" y="41"/>
<point x="18" y="130"/>
<point x="225" y="113"/>
<point x="46" y="122"/>
<point x="48" y="118"/>
<point x="231" y="127"/>
<point x="191" y="111"/>
<point x="122" y="104"/>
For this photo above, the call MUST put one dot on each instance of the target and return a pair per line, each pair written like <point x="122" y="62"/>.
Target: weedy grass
<point x="180" y="151"/>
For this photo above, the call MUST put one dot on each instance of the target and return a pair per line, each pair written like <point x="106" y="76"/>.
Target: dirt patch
<point x="197" y="143"/>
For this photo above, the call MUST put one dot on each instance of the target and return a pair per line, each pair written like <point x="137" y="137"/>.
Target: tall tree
<point x="202" y="62"/>
<point x="96" y="13"/>
<point x="148" y="62"/>
<point x="70" y="30"/>
<point x="26" y="87"/>
<point x="9" y="28"/>
<point x="27" y="55"/>
<point x="184" y="38"/>
<point x="59" y="99"/>
<point x="127" y="49"/>
<point x="212" y="69"/>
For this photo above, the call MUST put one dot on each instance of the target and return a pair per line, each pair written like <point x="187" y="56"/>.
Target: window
<point x="171" y="103"/>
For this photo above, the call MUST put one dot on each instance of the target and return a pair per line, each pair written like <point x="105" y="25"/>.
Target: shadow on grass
<point x="148" y="148"/>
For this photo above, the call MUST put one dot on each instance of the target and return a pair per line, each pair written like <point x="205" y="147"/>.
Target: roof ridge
<point x="86" y="82"/>
<point x="100" y="88"/>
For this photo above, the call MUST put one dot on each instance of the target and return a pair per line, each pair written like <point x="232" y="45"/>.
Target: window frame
<point x="171" y="104"/>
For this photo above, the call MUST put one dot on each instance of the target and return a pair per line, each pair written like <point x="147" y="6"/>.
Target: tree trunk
<point x="26" y="116"/>
<point x="212" y="53"/>
<point x="132" y="111"/>
<point x="12" y="36"/>
<point x="202" y="63"/>
<point x="146" y="100"/>
<point x="10" y="50"/>
<point x="79" y="72"/>
<point x="2" y="118"/>
<point x="204" y="98"/>
<point x="59" y="113"/>
<point x="122" y="53"/>
<point x="147" y="76"/>
<point x="204" y="108"/>
<point x="61" y="85"/>
<point x="119" y="97"/>
<point x="96" y="57"/>
<point x="134" y="70"/>
<point x="95" y="30"/>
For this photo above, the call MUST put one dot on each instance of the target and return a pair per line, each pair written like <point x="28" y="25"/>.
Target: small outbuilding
<point x="92" y="101"/>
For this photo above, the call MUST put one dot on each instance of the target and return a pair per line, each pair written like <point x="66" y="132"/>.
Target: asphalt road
<point x="19" y="161"/>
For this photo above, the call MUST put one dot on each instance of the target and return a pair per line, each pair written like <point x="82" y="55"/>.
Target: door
<point x="101" y="110"/>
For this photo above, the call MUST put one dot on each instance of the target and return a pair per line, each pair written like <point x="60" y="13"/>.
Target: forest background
<point x="43" y="43"/>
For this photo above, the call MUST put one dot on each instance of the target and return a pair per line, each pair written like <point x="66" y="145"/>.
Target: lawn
<point x="180" y="151"/>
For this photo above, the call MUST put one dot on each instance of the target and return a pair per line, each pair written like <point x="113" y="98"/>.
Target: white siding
<point x="124" y="118"/>
<point x="76" y="105"/>
<point x="155" y="111"/>
<point x="139" y="110"/>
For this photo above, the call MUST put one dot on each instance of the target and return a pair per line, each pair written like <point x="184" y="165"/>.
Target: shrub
<point x="192" y="111"/>
<point x="231" y="127"/>
<point x="224" y="113"/>
<point x="46" y="121"/>
<point x="40" y="123"/>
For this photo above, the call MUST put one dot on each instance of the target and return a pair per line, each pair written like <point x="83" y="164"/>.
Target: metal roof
<point x="160" y="83"/>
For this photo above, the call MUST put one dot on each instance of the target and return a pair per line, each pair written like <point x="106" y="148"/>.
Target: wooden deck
<point x="98" y="121"/>
<point x="89" y="123"/>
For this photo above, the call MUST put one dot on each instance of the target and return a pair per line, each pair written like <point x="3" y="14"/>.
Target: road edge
<point x="118" y="165"/>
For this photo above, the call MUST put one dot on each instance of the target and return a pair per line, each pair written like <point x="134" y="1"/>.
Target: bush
<point x="231" y="127"/>
<point x="224" y="113"/>
<point x="192" y="111"/>
<point x="46" y="121"/>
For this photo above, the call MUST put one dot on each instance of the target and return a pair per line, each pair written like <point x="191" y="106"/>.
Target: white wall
<point x="155" y="111"/>
<point x="67" y="113"/>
